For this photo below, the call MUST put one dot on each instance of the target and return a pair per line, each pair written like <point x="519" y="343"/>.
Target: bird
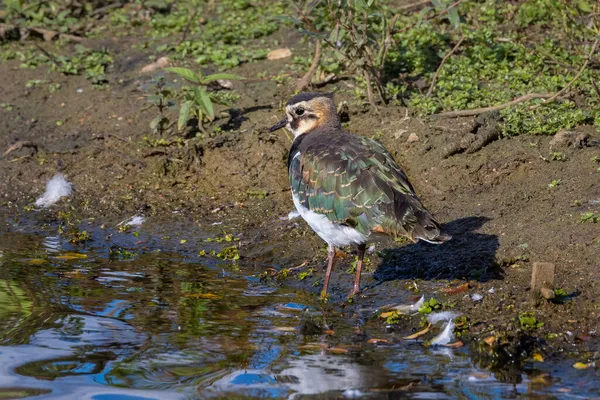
<point x="347" y="187"/>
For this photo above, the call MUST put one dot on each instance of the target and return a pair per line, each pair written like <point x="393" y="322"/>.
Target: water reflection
<point x="129" y="325"/>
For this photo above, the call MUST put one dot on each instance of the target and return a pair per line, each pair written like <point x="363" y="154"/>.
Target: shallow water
<point x="90" y="323"/>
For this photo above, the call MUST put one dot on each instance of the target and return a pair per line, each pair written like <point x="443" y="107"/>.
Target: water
<point x="94" y="324"/>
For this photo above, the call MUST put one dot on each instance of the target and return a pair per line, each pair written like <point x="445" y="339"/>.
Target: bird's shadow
<point x="468" y="255"/>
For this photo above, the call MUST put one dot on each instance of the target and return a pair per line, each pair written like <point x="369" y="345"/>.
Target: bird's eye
<point x="299" y="111"/>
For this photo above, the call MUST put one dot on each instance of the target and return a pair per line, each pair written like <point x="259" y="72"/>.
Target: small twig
<point x="410" y="6"/>
<point x="325" y="81"/>
<point x="446" y="57"/>
<point x="568" y="86"/>
<point x="307" y="78"/>
<point x="187" y="26"/>
<point x="20" y="144"/>
<point x="46" y="53"/>
<point x="595" y="85"/>
<point x="370" y="91"/>
<point x="101" y="10"/>
<point x="477" y="111"/>
<point x="443" y="12"/>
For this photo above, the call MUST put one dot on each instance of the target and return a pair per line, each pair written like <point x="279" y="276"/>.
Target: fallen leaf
<point x="378" y="341"/>
<point x="204" y="296"/>
<point x="309" y="346"/>
<point x="337" y="350"/>
<point x="72" y="256"/>
<point x="459" y="289"/>
<point x="278" y="54"/>
<point x="387" y="314"/>
<point x="490" y="340"/>
<point x="285" y="329"/>
<point x="583" y="337"/>
<point x="455" y="345"/>
<point x="329" y="332"/>
<point x="581" y="365"/>
<point x="36" y="261"/>
<point x="420" y="333"/>
<point x="537" y="357"/>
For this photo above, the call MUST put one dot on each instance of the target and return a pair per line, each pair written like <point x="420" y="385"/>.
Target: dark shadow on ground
<point x="468" y="255"/>
<point x="238" y="116"/>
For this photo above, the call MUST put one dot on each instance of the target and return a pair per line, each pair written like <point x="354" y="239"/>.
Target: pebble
<point x="412" y="138"/>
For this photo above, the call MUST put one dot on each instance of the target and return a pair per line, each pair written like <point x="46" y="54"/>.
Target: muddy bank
<point x="507" y="205"/>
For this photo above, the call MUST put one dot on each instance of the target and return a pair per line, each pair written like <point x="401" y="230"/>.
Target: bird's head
<point x="307" y="111"/>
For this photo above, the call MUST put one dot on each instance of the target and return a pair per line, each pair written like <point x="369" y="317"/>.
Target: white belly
<point x="334" y="234"/>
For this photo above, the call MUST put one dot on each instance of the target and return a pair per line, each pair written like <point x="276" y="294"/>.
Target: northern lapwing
<point x="348" y="188"/>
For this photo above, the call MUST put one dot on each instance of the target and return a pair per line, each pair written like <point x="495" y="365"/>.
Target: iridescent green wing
<point x="354" y="181"/>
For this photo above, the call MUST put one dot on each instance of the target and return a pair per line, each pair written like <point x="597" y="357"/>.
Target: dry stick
<point x="563" y="90"/>
<point x="370" y="91"/>
<point x="446" y="57"/>
<point x="477" y="111"/>
<point x="445" y="11"/>
<point x="187" y="26"/>
<point x="410" y="6"/>
<point x="307" y="78"/>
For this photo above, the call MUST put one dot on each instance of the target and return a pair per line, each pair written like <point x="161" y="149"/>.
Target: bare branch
<point x="307" y="78"/>
<point x="430" y="91"/>
<point x="477" y="111"/>
<point x="568" y="86"/>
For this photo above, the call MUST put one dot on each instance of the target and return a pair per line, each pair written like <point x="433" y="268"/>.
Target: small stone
<point x="225" y="84"/>
<point x="547" y="293"/>
<point x="278" y="54"/>
<point x="412" y="138"/>
<point x="569" y="139"/>
<point x="160" y="63"/>
<point x="542" y="277"/>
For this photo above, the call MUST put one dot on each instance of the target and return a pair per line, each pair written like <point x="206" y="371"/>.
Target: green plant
<point x="161" y="99"/>
<point x="528" y="321"/>
<point x="554" y="183"/>
<point x="589" y="217"/>
<point x="358" y="31"/>
<point x="430" y="306"/>
<point x="559" y="156"/>
<point x="197" y="101"/>
<point x="229" y="253"/>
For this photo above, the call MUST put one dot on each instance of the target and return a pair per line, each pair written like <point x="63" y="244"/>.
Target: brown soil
<point x="496" y="202"/>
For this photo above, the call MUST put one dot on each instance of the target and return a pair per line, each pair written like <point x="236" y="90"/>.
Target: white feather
<point x="446" y="336"/>
<point x="442" y="316"/>
<point x="406" y="308"/>
<point x="56" y="188"/>
<point x="334" y="234"/>
<point x="136" y="220"/>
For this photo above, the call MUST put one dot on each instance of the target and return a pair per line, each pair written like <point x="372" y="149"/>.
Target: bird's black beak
<point x="278" y="125"/>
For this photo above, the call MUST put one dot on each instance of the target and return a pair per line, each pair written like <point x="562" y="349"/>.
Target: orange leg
<point x="359" y="264"/>
<point x="330" y="261"/>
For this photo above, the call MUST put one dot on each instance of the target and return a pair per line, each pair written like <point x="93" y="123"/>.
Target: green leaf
<point x="203" y="100"/>
<point x="185" y="73"/>
<point x="584" y="6"/>
<point x="439" y="4"/>
<point x="360" y="5"/>
<point x="422" y="14"/>
<point x="184" y="114"/>
<point x="214" y="77"/>
<point x="154" y="123"/>
<point x="453" y="17"/>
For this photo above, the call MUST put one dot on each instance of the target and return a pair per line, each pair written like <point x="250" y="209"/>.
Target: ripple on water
<point x="87" y="326"/>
